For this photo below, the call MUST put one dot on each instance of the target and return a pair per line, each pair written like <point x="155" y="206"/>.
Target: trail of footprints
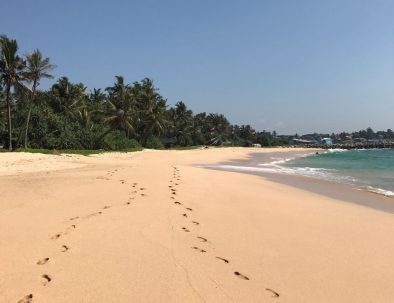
<point x="135" y="190"/>
<point x="46" y="278"/>
<point x="173" y="188"/>
<point x="174" y="182"/>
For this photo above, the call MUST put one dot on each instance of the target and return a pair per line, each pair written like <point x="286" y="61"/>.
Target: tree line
<point x="123" y="115"/>
<point x="347" y="137"/>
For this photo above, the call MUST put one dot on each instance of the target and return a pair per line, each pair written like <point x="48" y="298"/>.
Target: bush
<point x="154" y="142"/>
<point x="118" y="140"/>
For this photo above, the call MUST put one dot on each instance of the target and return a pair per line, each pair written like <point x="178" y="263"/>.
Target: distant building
<point x="326" y="141"/>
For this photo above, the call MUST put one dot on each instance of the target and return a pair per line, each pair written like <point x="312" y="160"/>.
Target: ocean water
<point x="371" y="169"/>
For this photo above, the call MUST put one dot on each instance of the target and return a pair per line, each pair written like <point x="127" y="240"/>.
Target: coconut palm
<point x="119" y="108"/>
<point x="3" y="109"/>
<point x="68" y="98"/>
<point x="11" y="67"/>
<point x="155" y="120"/>
<point x="219" y="128"/>
<point x="95" y="105"/>
<point x="151" y="110"/>
<point x="182" y="123"/>
<point x="37" y="68"/>
<point x="198" y="128"/>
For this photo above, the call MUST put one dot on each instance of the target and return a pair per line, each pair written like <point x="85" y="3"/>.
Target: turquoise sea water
<point x="371" y="169"/>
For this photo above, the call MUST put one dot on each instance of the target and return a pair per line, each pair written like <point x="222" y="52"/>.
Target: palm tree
<point x="11" y="66"/>
<point x="219" y="128"/>
<point x="182" y="123"/>
<point x="95" y="104"/>
<point x="198" y="128"/>
<point x="119" y="110"/>
<point x="68" y="98"/>
<point x="3" y="108"/>
<point x="155" y="120"/>
<point x="151" y="110"/>
<point x="37" y="67"/>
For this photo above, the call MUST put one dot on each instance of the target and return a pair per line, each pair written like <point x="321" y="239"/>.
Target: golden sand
<point x="150" y="227"/>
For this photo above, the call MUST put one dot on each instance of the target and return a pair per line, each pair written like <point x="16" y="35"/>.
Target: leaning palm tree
<point x="37" y="68"/>
<point x="11" y="67"/>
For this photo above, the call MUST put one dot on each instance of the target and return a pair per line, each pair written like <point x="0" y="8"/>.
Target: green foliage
<point x="118" y="140"/>
<point x="154" y="143"/>
<point x="124" y="116"/>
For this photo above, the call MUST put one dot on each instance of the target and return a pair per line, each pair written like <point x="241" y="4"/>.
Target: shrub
<point x="154" y="142"/>
<point x="118" y="140"/>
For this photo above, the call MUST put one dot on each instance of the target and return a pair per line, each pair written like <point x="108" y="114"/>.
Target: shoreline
<point x="151" y="227"/>
<point x="345" y="192"/>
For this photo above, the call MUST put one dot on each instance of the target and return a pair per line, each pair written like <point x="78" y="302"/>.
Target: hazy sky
<point x="290" y="66"/>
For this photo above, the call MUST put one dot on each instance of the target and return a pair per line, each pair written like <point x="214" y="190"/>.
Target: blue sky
<point x="290" y="66"/>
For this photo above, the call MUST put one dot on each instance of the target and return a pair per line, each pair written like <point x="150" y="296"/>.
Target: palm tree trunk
<point x="30" y="104"/>
<point x="9" y="117"/>
<point x="27" y="125"/>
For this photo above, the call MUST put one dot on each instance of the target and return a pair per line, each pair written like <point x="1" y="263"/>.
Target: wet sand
<point x="151" y="227"/>
<point x="335" y="190"/>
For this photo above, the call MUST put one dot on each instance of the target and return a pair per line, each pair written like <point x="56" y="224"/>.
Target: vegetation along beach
<point x="208" y="151"/>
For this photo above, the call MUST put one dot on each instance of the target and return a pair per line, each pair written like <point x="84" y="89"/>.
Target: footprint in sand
<point x="93" y="215"/>
<point x="127" y="203"/>
<point x="202" y="239"/>
<point x="26" y="299"/>
<point x="57" y="236"/>
<point x="195" y="223"/>
<point x="223" y="259"/>
<point x="176" y="202"/>
<point x="241" y="276"/>
<point x="185" y="229"/>
<point x="189" y="209"/>
<point x="143" y="195"/>
<point x="199" y="249"/>
<point x="274" y="293"/>
<point x="172" y="197"/>
<point x="42" y="261"/>
<point x="64" y="248"/>
<point x="142" y="188"/>
<point x="46" y="279"/>
<point x="74" y="218"/>
<point x="185" y="215"/>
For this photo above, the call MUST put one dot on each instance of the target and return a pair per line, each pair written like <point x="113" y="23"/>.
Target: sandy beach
<point x="150" y="226"/>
